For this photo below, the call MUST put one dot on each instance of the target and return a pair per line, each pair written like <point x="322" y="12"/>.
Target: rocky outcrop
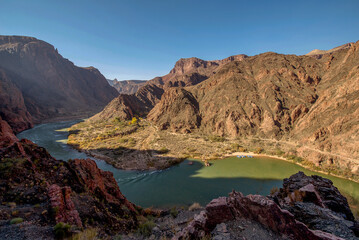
<point x="316" y="202"/>
<point x="316" y="53"/>
<point x="37" y="84"/>
<point x="191" y="71"/>
<point x="126" y="106"/>
<point x="127" y="86"/>
<point x="179" y="106"/>
<point x="315" y="219"/>
<point x="75" y="192"/>
<point x="12" y="105"/>
<point x="186" y="72"/>
<point x="7" y="137"/>
<point x="62" y="205"/>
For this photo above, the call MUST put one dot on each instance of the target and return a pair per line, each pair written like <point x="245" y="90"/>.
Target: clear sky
<point x="141" y="39"/>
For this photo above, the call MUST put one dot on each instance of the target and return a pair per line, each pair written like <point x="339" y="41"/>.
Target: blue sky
<point x="142" y="39"/>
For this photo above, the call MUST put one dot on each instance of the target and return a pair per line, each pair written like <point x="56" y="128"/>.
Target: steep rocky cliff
<point x="186" y="72"/>
<point x="191" y="71"/>
<point x="39" y="84"/>
<point x="309" y="101"/>
<point x="43" y="191"/>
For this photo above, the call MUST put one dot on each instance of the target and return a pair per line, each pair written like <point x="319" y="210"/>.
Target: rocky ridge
<point x="43" y="191"/>
<point x="186" y="72"/>
<point x="38" y="84"/>
<point x="307" y="101"/>
<point x="281" y="218"/>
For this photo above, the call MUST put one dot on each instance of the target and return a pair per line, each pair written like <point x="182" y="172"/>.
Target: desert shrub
<point x="16" y="220"/>
<point x="214" y="138"/>
<point x="62" y="230"/>
<point x="194" y="206"/>
<point x="123" y="140"/>
<point x="279" y="152"/>
<point x="131" y="142"/>
<point x="163" y="150"/>
<point x="145" y="229"/>
<point x="235" y="146"/>
<point x="191" y="150"/>
<point x="259" y="150"/>
<point x="174" y="212"/>
<point x="87" y="234"/>
<point x="274" y="190"/>
<point x="242" y="149"/>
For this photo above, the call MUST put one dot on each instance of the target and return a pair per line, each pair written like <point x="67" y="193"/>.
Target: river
<point x="185" y="184"/>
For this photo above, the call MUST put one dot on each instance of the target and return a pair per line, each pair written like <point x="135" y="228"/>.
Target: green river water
<point x="185" y="184"/>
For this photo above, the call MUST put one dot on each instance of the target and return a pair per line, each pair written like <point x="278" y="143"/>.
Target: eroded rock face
<point x="126" y="107"/>
<point x="7" y="136"/>
<point x="191" y="71"/>
<point x="12" y="105"/>
<point x="186" y="72"/>
<point x="314" y="201"/>
<point x="300" y="99"/>
<point x="37" y="83"/>
<point x="74" y="192"/>
<point x="304" y="215"/>
<point x="317" y="190"/>
<point x="62" y="205"/>
<point x="176" y="105"/>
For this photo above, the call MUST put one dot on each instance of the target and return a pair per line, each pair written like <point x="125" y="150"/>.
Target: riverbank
<point x="147" y="188"/>
<point x="288" y="160"/>
<point x="138" y="145"/>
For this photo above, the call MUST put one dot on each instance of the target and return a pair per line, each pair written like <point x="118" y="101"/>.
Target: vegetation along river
<point x="185" y="184"/>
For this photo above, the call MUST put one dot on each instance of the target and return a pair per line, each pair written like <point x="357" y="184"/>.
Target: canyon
<point x="306" y="105"/>
<point x="37" y="84"/>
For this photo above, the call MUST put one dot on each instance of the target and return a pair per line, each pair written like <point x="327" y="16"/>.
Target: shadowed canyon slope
<point x="127" y="86"/>
<point x="38" y="84"/>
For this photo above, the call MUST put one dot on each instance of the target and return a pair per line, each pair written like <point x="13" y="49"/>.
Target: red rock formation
<point x="62" y="205"/>
<point x="254" y="207"/>
<point x="100" y="183"/>
<point x="7" y="136"/>
<point x="176" y="105"/>
<point x="128" y="106"/>
<point x="191" y="71"/>
<point x="75" y="192"/>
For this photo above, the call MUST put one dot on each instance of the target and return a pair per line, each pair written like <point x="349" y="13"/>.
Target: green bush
<point x="62" y="230"/>
<point x="174" y="212"/>
<point x="163" y="150"/>
<point x="145" y="229"/>
<point x="16" y="220"/>
<point x="279" y="152"/>
<point x="214" y="138"/>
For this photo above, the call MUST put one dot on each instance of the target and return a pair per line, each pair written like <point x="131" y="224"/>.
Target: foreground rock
<point x="313" y="215"/>
<point x="43" y="191"/>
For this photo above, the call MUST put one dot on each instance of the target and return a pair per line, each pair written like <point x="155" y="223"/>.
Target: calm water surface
<point x="184" y="184"/>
